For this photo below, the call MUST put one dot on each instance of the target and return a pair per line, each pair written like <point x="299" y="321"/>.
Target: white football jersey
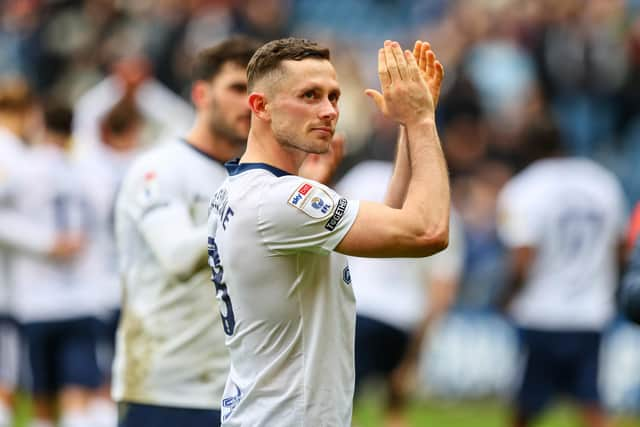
<point x="102" y="170"/>
<point x="49" y="194"/>
<point x="285" y="298"/>
<point x="393" y="290"/>
<point x="170" y="345"/>
<point x="572" y="211"/>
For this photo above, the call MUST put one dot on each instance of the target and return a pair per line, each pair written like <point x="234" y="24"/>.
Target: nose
<point x="328" y="110"/>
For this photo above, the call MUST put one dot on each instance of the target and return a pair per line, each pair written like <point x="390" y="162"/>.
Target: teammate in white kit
<point x="563" y="220"/>
<point x="171" y="363"/>
<point x="19" y="234"/>
<point x="103" y="167"/>
<point x="397" y="300"/>
<point x="51" y="300"/>
<point x="285" y="298"/>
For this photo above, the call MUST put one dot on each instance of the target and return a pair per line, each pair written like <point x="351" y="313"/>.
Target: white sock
<point x="75" y="419"/>
<point x="103" y="413"/>
<point x="6" y="420"/>
<point x="41" y="423"/>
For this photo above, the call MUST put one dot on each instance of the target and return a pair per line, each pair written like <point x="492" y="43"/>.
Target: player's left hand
<point x="321" y="167"/>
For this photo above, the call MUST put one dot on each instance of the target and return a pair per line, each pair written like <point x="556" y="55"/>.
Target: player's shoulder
<point x="166" y="158"/>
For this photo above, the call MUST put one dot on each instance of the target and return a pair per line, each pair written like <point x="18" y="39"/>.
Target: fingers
<point x="377" y="98"/>
<point x="422" y="61"/>
<point x="400" y="60"/>
<point x="390" y="60"/>
<point x="439" y="72"/>
<point x="431" y="70"/>
<point x="383" y="71"/>
<point x="412" y="66"/>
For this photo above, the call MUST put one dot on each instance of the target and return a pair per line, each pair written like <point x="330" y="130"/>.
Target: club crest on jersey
<point x="313" y="201"/>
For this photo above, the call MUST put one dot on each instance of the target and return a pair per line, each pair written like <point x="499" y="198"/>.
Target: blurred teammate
<point x="286" y="300"/>
<point x="171" y="363"/>
<point x="18" y="232"/>
<point x="563" y="220"/>
<point x="52" y="301"/>
<point x="102" y="167"/>
<point x="397" y="300"/>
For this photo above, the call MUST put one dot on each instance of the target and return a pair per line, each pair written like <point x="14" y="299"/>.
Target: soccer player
<point x="19" y="113"/>
<point x="102" y="167"/>
<point x="563" y="220"/>
<point x="171" y="363"/>
<point x="397" y="300"/>
<point x="54" y="305"/>
<point x="286" y="301"/>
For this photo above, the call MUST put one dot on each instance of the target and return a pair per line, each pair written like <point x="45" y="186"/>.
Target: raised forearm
<point x="399" y="184"/>
<point x="428" y="198"/>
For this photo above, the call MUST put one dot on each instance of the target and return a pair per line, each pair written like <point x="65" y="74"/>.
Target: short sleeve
<point x="151" y="188"/>
<point x="517" y="220"/>
<point x="302" y="215"/>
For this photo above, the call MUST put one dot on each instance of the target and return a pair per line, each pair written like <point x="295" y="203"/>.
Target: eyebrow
<point x="318" y="87"/>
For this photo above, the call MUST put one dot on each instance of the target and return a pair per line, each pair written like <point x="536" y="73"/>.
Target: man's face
<point x="304" y="105"/>
<point x="226" y="106"/>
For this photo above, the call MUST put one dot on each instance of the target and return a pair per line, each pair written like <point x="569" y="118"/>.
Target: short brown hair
<point x="268" y="57"/>
<point x="15" y="95"/>
<point x="58" y="116"/>
<point x="237" y="50"/>
<point x="123" y="116"/>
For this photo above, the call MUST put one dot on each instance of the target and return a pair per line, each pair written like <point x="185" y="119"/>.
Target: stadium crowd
<point x="88" y="85"/>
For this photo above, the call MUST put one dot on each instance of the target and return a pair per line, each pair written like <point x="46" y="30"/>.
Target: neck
<point x="217" y="147"/>
<point x="12" y="123"/>
<point x="262" y="147"/>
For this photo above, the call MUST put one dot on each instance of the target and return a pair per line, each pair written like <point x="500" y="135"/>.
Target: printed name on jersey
<point x="337" y="215"/>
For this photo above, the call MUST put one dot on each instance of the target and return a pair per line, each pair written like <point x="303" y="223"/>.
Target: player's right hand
<point x="410" y="82"/>
<point x="431" y="69"/>
<point x="67" y="246"/>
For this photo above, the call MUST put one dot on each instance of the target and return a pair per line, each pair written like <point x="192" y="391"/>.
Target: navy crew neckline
<point x="234" y="167"/>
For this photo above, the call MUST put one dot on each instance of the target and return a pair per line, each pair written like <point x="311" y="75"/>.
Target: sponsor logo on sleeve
<point x="337" y="215"/>
<point x="300" y="195"/>
<point x="313" y="201"/>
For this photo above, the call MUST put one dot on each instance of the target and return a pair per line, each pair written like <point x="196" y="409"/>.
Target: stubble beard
<point x="289" y="140"/>
<point x="221" y="129"/>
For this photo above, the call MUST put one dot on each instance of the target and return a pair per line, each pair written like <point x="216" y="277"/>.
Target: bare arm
<point x="421" y="226"/>
<point x="397" y="191"/>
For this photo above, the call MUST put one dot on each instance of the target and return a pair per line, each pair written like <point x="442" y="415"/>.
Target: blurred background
<point x="506" y="62"/>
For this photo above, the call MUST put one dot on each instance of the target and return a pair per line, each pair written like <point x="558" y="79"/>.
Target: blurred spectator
<point x="131" y="76"/>
<point x="563" y="221"/>
<point x="630" y="287"/>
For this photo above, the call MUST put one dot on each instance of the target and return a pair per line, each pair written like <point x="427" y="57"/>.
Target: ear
<point x="259" y="106"/>
<point x="199" y="93"/>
